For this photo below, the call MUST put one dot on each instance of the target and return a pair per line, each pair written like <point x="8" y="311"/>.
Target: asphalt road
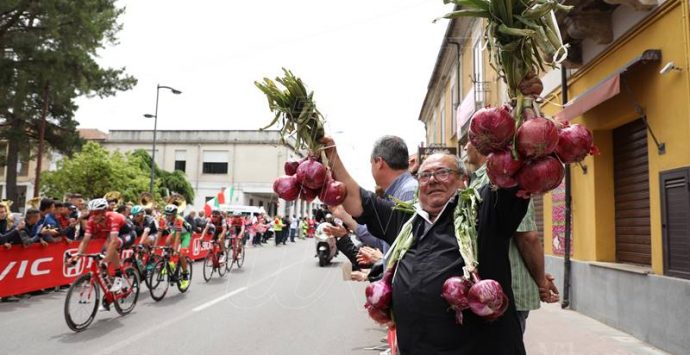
<point x="280" y="302"/>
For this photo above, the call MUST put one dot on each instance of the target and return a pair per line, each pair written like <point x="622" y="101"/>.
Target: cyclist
<point x="180" y="236"/>
<point x="118" y="232"/>
<point x="237" y="229"/>
<point x="217" y="227"/>
<point x="145" y="227"/>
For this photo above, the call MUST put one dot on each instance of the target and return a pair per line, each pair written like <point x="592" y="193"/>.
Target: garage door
<point x="631" y="175"/>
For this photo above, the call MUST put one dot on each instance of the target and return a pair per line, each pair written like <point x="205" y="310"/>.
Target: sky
<point x="368" y="62"/>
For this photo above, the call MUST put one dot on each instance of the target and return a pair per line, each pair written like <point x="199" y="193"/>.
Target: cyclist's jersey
<point x="113" y="223"/>
<point x="148" y="222"/>
<point x="180" y="225"/>
<point x="236" y="224"/>
<point x="216" y="228"/>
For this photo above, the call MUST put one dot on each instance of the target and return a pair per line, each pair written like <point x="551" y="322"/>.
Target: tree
<point x="47" y="55"/>
<point x="94" y="171"/>
<point x="173" y="182"/>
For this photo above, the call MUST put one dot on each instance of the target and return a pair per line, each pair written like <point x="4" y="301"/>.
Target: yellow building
<point x="627" y="81"/>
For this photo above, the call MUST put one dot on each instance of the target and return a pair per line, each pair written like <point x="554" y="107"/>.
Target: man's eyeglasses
<point x="441" y="175"/>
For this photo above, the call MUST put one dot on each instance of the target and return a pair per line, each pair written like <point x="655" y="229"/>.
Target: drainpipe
<point x="566" y="259"/>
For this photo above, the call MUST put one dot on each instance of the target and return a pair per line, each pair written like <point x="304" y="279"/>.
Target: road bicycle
<point x="215" y="261"/>
<point x="143" y="260"/>
<point x="166" y="272"/>
<point x="238" y="252"/>
<point x="81" y="302"/>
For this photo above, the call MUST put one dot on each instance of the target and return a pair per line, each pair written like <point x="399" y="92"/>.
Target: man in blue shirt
<point x="47" y="228"/>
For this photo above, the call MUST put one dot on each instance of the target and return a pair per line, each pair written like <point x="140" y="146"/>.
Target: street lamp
<point x="155" y="125"/>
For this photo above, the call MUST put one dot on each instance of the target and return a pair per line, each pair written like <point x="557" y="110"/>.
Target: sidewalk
<point x="551" y="330"/>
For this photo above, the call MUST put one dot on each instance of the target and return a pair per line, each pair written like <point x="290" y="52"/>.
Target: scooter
<point x="326" y="248"/>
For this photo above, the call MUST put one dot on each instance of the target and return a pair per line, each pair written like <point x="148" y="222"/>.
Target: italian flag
<point x="222" y="197"/>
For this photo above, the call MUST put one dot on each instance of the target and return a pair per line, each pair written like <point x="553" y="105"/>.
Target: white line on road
<point x="119" y="345"/>
<point x="212" y="302"/>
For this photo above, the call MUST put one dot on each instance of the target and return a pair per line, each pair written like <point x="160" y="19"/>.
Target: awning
<point x="604" y="89"/>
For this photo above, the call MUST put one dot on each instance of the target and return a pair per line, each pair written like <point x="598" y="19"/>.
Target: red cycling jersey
<point x="112" y="223"/>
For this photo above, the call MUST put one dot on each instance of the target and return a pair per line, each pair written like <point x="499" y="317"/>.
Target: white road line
<point x="223" y="297"/>
<point x="131" y="339"/>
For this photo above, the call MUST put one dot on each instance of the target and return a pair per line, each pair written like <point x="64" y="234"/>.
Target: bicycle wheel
<point x="240" y="257"/>
<point x="189" y="278"/>
<point x="130" y="291"/>
<point x="208" y="266"/>
<point x="230" y="258"/>
<point x="148" y="269"/>
<point x="158" y="280"/>
<point x="81" y="303"/>
<point x="222" y="265"/>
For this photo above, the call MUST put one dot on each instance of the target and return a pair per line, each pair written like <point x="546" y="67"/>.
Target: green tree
<point x="94" y="171"/>
<point x="167" y="182"/>
<point x="47" y="59"/>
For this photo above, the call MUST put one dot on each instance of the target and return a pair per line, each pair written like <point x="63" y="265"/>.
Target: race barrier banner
<point x="37" y="267"/>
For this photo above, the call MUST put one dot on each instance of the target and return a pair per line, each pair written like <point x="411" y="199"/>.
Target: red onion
<point x="311" y="174"/>
<point x="574" y="143"/>
<point x="491" y="129"/>
<point x="455" y="291"/>
<point x="501" y="168"/>
<point x="381" y="316"/>
<point x="308" y="194"/>
<point x="333" y="193"/>
<point x="536" y="138"/>
<point x="286" y="187"/>
<point x="487" y="299"/>
<point x="290" y="167"/>
<point x="379" y="294"/>
<point x="539" y="176"/>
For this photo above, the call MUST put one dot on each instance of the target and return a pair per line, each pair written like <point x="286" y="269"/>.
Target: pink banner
<point x="558" y="218"/>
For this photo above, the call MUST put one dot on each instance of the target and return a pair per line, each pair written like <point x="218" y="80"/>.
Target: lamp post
<point x="155" y="125"/>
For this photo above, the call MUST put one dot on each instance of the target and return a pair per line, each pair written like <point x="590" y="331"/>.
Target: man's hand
<point x="368" y="256"/>
<point x="7" y="245"/>
<point x="43" y="242"/>
<point x="329" y="146"/>
<point x="548" y="292"/>
<point x="21" y="224"/>
<point x="335" y="231"/>
<point x="358" y="276"/>
<point x="339" y="212"/>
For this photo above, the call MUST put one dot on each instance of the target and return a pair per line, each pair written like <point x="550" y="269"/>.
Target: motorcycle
<point x="326" y="248"/>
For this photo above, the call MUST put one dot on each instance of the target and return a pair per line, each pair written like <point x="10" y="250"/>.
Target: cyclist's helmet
<point x="137" y="209"/>
<point x="97" y="204"/>
<point x="215" y="212"/>
<point x="170" y="209"/>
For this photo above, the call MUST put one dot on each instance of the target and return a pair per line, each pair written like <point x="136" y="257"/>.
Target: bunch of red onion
<point x="484" y="298"/>
<point x="308" y="179"/>
<point x="532" y="154"/>
<point x="380" y="299"/>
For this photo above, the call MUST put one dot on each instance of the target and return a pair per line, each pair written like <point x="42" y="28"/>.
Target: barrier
<point x="37" y="267"/>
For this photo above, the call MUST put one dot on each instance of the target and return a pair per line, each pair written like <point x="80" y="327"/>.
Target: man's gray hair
<point x="393" y="151"/>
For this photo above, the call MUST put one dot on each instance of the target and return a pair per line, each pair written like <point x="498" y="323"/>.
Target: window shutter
<point x="675" y="212"/>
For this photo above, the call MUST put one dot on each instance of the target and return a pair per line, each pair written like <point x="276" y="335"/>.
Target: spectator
<point x="191" y="219"/>
<point x="66" y="222"/>
<point x="286" y="229"/>
<point x="278" y="229"/>
<point x="293" y="228"/>
<point x="427" y="254"/>
<point x="9" y="234"/>
<point x="200" y="221"/>
<point x="47" y="228"/>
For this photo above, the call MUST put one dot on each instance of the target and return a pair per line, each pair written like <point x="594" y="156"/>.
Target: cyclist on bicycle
<point x="217" y="228"/>
<point x="180" y="236"/>
<point x="112" y="226"/>
<point x="145" y="227"/>
<point x="236" y="231"/>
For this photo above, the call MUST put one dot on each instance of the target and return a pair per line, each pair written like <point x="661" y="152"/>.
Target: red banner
<point x="36" y="267"/>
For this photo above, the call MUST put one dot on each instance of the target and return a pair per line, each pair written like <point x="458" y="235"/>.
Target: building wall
<point x="636" y="299"/>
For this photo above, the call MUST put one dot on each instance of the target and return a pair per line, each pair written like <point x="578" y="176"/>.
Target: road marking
<point x="130" y="340"/>
<point x="223" y="297"/>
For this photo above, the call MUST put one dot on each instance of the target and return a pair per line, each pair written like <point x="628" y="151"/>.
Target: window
<point x="434" y="129"/>
<point x="3" y="158"/>
<point x="478" y="71"/>
<point x="23" y="163"/>
<point x="261" y="203"/>
<point x="251" y="202"/>
<point x="215" y="162"/>
<point x="181" y="160"/>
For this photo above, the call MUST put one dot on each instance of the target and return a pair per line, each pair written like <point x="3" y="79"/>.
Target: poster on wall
<point x="558" y="229"/>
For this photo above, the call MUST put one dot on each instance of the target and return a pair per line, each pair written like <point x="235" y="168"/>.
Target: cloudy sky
<point x="368" y="61"/>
